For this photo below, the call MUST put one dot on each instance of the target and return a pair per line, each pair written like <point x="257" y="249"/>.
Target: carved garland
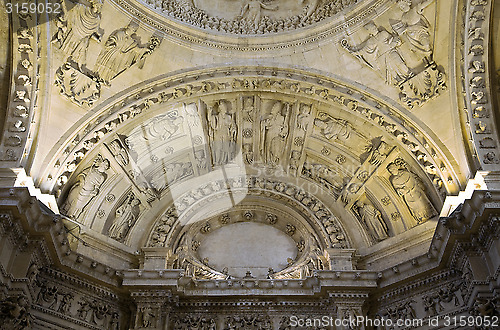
<point x="177" y="89"/>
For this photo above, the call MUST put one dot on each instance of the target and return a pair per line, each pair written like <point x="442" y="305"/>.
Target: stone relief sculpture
<point x="76" y="86"/>
<point x="223" y="132"/>
<point x="252" y="10"/>
<point x="76" y="27"/>
<point x="125" y="217"/>
<point x="404" y="57"/>
<point x="411" y="189"/>
<point x="119" y="152"/>
<point x="170" y="174"/>
<point x="303" y="116"/>
<point x="274" y="131"/>
<point x="379" y="53"/>
<point x="121" y="51"/>
<point x="248" y="108"/>
<point x="153" y="131"/>
<point x="14" y="313"/>
<point x="378" y="153"/>
<point x="372" y="220"/>
<point x="333" y="128"/>
<point x="86" y="187"/>
<point x="250" y="19"/>
<point x="414" y="27"/>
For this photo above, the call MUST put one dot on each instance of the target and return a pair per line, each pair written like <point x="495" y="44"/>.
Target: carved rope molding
<point x="22" y="111"/>
<point x="476" y="78"/>
<point x="186" y="33"/>
<point x="426" y="149"/>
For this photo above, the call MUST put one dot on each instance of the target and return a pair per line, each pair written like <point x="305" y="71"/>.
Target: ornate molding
<point x="177" y="89"/>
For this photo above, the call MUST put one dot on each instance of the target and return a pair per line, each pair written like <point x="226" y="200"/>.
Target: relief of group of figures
<point x="403" y="54"/>
<point x="254" y="16"/>
<point x="122" y="49"/>
<point x="268" y="131"/>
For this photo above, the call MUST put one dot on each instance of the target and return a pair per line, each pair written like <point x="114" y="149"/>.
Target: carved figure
<point x="86" y="187"/>
<point x="333" y="128"/>
<point x="121" y="51"/>
<point x="223" y="133"/>
<point x="274" y="131"/>
<point x="378" y="154"/>
<point x="412" y="190"/>
<point x="147" y="317"/>
<point x="125" y="217"/>
<point x="251" y="10"/>
<point x="76" y="27"/>
<point x="379" y="53"/>
<point x="248" y="108"/>
<point x="373" y="221"/>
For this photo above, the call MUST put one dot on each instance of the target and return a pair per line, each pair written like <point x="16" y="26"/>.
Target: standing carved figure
<point x="121" y="51"/>
<point x="223" y="133"/>
<point x="379" y="52"/>
<point x="373" y="221"/>
<point x="414" y="26"/>
<point x="251" y="10"/>
<point x="76" y="27"/>
<point x="274" y="131"/>
<point x="412" y="190"/>
<point x="125" y="217"/>
<point x="86" y="187"/>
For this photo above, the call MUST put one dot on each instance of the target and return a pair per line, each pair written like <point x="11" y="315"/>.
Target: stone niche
<point x="243" y="247"/>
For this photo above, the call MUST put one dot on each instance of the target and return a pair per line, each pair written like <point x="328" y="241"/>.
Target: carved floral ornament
<point x="142" y="104"/>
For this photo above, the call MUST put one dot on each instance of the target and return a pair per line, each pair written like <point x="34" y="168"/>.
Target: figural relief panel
<point x="401" y="52"/>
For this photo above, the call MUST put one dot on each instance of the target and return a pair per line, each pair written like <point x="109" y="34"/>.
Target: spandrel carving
<point x="86" y="187"/>
<point x="125" y="217"/>
<point x="379" y="52"/>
